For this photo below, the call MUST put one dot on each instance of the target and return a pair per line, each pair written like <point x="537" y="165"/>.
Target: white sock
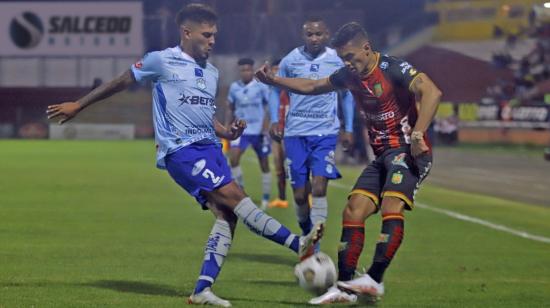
<point x="266" y="185"/>
<point x="319" y="209"/>
<point x="237" y="174"/>
<point x="261" y="223"/>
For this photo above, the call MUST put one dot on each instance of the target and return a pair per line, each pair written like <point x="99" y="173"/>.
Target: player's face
<point x="355" y="56"/>
<point x="315" y="36"/>
<point x="201" y="38"/>
<point x="246" y="72"/>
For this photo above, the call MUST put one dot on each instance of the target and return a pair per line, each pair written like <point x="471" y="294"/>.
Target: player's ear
<point x="185" y="31"/>
<point x="366" y="46"/>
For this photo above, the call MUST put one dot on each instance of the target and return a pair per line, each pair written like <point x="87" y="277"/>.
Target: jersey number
<point x="208" y="174"/>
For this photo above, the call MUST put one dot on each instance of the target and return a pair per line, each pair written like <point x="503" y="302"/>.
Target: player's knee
<point x="392" y="205"/>
<point x="301" y="198"/>
<point x="319" y="187"/>
<point x="358" y="208"/>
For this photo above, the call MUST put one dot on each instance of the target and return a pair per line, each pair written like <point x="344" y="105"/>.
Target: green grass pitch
<point x="89" y="223"/>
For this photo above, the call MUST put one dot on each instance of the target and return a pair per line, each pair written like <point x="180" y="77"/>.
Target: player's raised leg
<point x="217" y="247"/>
<point x="261" y="223"/>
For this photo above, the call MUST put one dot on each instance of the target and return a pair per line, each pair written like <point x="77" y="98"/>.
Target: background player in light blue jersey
<point x="247" y="100"/>
<point x="312" y="125"/>
<point x="184" y="88"/>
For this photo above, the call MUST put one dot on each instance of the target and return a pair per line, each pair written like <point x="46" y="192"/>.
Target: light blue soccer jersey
<point x="249" y="101"/>
<point x="312" y="114"/>
<point x="183" y="99"/>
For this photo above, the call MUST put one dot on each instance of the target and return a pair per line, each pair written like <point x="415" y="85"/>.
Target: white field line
<point x="475" y="220"/>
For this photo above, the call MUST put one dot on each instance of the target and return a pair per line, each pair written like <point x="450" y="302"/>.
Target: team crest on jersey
<point x="199" y="72"/>
<point x="201" y="83"/>
<point x="314" y="68"/>
<point x="378" y="90"/>
<point x="314" y="76"/>
<point x="384" y="65"/>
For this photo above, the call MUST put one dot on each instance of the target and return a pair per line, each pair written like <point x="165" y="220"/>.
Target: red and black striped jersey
<point x="384" y="99"/>
<point x="283" y="108"/>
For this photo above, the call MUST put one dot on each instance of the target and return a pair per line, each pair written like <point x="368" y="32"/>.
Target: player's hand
<point x="64" y="111"/>
<point x="347" y="141"/>
<point x="418" y="147"/>
<point x="236" y="130"/>
<point x="276" y="133"/>
<point x="265" y="75"/>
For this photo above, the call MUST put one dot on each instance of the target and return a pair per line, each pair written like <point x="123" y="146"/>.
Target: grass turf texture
<point x="95" y="224"/>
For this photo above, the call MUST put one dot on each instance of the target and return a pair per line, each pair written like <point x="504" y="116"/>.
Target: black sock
<point x="393" y="226"/>
<point x="351" y="245"/>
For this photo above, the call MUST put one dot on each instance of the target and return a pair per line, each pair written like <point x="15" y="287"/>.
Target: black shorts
<point x="395" y="173"/>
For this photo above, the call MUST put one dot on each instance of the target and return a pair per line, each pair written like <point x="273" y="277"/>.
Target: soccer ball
<point x="316" y="274"/>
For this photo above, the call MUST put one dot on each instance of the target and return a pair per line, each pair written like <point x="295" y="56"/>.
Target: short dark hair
<point x="245" y="61"/>
<point x="312" y="19"/>
<point x="276" y="61"/>
<point x="347" y="33"/>
<point x="197" y="12"/>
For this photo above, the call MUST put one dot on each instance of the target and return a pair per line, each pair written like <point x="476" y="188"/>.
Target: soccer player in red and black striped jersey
<point x="398" y="103"/>
<point x="277" y="146"/>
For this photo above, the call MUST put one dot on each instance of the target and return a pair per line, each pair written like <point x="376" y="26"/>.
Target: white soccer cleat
<point x="207" y="297"/>
<point x="307" y="242"/>
<point x="332" y="296"/>
<point x="265" y="203"/>
<point x="363" y="285"/>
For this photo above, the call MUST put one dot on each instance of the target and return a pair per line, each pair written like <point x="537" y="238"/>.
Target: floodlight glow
<point x="547" y="5"/>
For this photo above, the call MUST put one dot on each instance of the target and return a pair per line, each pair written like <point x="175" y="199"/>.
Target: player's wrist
<point x="417" y="136"/>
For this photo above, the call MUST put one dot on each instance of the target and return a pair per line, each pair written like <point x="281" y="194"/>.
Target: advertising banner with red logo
<point x="71" y="28"/>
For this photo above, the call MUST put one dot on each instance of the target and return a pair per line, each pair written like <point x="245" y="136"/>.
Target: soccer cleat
<point x="332" y="296"/>
<point x="207" y="297"/>
<point x="283" y="204"/>
<point x="363" y="285"/>
<point x="307" y="242"/>
<point x="264" y="204"/>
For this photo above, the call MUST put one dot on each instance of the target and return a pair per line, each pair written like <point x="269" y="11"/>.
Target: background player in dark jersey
<point x="278" y="148"/>
<point x="387" y="91"/>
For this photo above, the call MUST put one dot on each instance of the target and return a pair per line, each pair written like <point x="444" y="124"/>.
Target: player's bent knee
<point x="392" y="205"/>
<point x="229" y="195"/>
<point x="319" y="186"/>
<point x="358" y="208"/>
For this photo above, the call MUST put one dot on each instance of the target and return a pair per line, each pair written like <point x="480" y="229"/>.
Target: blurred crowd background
<point x="491" y="58"/>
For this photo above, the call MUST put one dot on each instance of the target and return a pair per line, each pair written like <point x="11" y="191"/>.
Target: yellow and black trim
<point x="409" y="204"/>
<point x="412" y="81"/>
<point x="366" y="193"/>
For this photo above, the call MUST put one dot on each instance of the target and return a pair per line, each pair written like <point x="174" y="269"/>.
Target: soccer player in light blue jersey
<point x="247" y="99"/>
<point x="184" y="90"/>
<point x="312" y="126"/>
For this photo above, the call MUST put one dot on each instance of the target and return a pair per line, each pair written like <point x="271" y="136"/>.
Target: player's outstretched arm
<point x="429" y="96"/>
<point x="296" y="85"/>
<point x="233" y="132"/>
<point x="66" y="111"/>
